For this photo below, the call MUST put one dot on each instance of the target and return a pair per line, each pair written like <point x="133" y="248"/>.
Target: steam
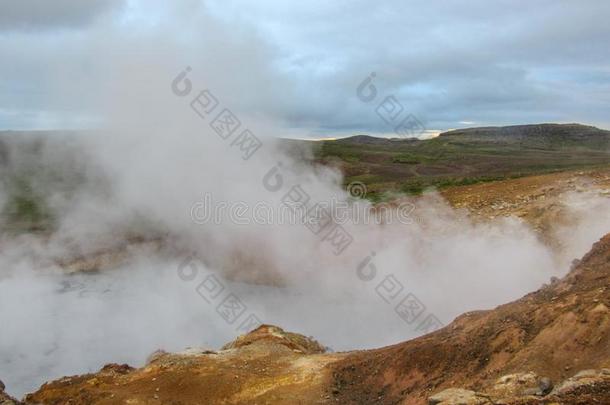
<point x="156" y="158"/>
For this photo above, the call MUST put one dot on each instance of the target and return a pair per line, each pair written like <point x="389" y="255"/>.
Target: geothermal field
<point x="278" y="203"/>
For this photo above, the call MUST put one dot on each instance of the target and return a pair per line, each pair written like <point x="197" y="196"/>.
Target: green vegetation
<point x="464" y="157"/>
<point x="405" y="158"/>
<point x="413" y="187"/>
<point x="24" y="210"/>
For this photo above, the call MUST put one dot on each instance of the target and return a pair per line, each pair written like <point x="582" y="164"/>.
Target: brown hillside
<point x="555" y="331"/>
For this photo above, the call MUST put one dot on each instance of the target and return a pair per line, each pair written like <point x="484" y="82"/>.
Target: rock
<point x="5" y="399"/>
<point x="582" y="378"/>
<point x="273" y="335"/>
<point x="154" y="356"/>
<point x="458" y="396"/>
<point x="546" y="385"/>
<point x="512" y="385"/>
<point x="114" y="368"/>
<point x="586" y="374"/>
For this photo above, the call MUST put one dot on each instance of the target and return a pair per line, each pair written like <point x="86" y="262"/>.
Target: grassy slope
<point x="34" y="167"/>
<point x="465" y="156"/>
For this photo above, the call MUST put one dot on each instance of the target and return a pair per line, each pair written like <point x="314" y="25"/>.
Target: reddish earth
<point x="538" y="200"/>
<point x="554" y="332"/>
<point x="266" y="366"/>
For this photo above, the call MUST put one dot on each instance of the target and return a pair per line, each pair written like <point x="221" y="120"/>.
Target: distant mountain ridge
<point x="553" y="135"/>
<point x="559" y="132"/>
<point x="373" y="140"/>
<point x="528" y="128"/>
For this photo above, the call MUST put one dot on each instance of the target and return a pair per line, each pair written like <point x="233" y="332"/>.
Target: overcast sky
<point x="298" y="64"/>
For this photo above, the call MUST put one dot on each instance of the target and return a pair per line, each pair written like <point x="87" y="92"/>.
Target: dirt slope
<point x="554" y="332"/>
<point x="535" y="199"/>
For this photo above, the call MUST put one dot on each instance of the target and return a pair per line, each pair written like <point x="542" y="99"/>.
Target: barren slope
<point x="554" y="332"/>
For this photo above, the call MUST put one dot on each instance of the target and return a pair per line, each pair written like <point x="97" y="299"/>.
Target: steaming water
<point x="56" y="324"/>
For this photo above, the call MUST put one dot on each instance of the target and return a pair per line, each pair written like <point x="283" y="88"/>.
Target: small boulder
<point x="546" y="386"/>
<point x="114" y="368"/>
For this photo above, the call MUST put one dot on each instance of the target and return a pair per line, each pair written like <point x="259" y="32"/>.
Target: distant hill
<point x="538" y="135"/>
<point x="465" y="156"/>
<point x="372" y="140"/>
<point x="549" y="135"/>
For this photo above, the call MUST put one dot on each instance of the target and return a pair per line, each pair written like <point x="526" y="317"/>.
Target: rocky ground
<point x="538" y="200"/>
<point x="267" y="365"/>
